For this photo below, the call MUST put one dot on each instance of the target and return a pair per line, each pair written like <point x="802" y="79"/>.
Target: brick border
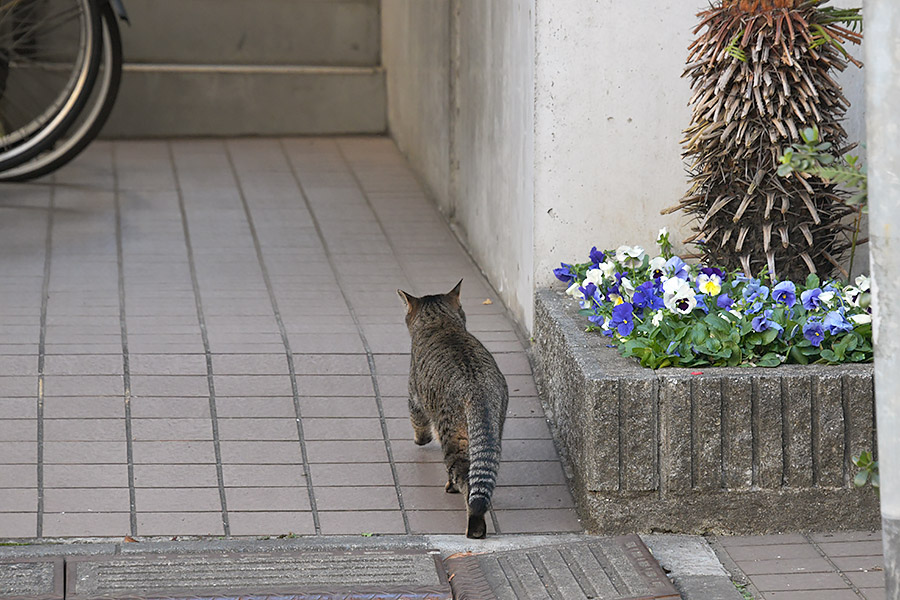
<point x="721" y="450"/>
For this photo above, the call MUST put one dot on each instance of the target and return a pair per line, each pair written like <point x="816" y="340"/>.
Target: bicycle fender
<point x="120" y="10"/>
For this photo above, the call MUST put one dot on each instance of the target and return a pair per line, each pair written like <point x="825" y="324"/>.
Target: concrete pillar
<point x="882" y="19"/>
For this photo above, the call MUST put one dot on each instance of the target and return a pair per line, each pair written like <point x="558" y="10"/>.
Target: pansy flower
<point x="754" y="291"/>
<point x="564" y="273"/>
<point x="836" y="323"/>
<point x="645" y="297"/>
<point x="814" y="332"/>
<point x="785" y="292"/>
<point x="724" y="301"/>
<point x="675" y="267"/>
<point x="811" y="299"/>
<point x="764" y="322"/>
<point x="587" y="293"/>
<point x="622" y="318"/>
<point x="657" y="267"/>
<point x="608" y="268"/>
<point x="852" y="295"/>
<point x="861" y="319"/>
<point x="594" y="276"/>
<point x="709" y="281"/>
<point x="596" y="257"/>
<point x="679" y="296"/>
<point x="630" y="256"/>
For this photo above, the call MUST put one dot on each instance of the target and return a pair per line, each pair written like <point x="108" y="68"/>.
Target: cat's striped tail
<point x="484" y="460"/>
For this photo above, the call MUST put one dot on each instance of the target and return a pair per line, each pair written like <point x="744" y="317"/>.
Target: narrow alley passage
<point x="204" y="338"/>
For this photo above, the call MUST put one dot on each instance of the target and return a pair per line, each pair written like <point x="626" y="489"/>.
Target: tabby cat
<point x="457" y="391"/>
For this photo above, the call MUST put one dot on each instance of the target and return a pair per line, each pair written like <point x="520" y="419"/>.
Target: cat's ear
<point x="409" y="300"/>
<point x="453" y="294"/>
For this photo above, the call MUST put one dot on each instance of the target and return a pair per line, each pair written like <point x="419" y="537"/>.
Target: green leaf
<point x="770" y="359"/>
<point x="798" y="356"/>
<point x="769" y="336"/>
<point x="860" y="479"/>
<point x="829" y="356"/>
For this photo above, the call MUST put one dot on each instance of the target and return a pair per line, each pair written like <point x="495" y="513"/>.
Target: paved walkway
<point x="204" y="338"/>
<point x="819" y="566"/>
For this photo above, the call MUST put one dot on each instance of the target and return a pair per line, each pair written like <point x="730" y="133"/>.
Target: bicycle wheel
<point x="94" y="114"/>
<point x="49" y="56"/>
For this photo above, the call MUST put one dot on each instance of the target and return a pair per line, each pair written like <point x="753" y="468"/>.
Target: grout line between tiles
<point x="205" y="337"/>
<point x="45" y="296"/>
<point x="126" y="369"/>
<point x="362" y="336"/>
<point x="307" y="471"/>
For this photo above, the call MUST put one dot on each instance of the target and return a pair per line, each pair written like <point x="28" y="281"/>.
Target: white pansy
<point x="736" y="313"/>
<point x="826" y="298"/>
<point x="861" y="319"/>
<point x="594" y="276"/>
<point x="851" y="295"/>
<point x="630" y="256"/>
<point x="626" y="288"/>
<point x="608" y="268"/>
<point x="863" y="283"/>
<point x="679" y="296"/>
<point x="657" y="318"/>
<point x="671" y="285"/>
<point x="657" y="265"/>
<point x="575" y="292"/>
<point x="662" y="232"/>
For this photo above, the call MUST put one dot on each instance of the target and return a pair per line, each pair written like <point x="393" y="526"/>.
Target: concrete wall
<point x="460" y="106"/>
<point x="544" y="127"/>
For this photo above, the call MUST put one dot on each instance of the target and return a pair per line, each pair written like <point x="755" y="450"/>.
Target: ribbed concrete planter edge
<point x="712" y="450"/>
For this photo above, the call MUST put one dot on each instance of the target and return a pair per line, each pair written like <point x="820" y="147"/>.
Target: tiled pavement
<point x="203" y="338"/>
<point x="819" y="566"/>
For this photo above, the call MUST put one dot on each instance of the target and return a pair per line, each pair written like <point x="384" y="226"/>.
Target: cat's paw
<point x="423" y="439"/>
<point x="477" y="528"/>
<point x="450" y="488"/>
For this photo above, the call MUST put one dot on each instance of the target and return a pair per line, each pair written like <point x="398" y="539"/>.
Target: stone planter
<point x="722" y="450"/>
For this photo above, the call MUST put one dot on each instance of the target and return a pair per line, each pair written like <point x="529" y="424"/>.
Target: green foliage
<point x="812" y="157"/>
<point x="868" y="471"/>
<point x="733" y="49"/>
<point x="665" y="313"/>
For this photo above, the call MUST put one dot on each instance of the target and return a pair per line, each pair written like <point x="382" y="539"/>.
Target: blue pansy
<point x="645" y="297"/>
<point x="814" y="332"/>
<point x="623" y="318"/>
<point x="810" y="299"/>
<point x="755" y="291"/>
<point x="785" y="292"/>
<point x="724" y="301"/>
<point x="701" y="302"/>
<point x="596" y="256"/>
<point x="676" y="267"/>
<point x="764" y="322"/>
<point x="564" y="273"/>
<point x="836" y="322"/>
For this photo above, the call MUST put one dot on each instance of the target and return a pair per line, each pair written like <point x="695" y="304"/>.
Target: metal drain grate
<point x="319" y="575"/>
<point x="609" y="568"/>
<point x="31" y="579"/>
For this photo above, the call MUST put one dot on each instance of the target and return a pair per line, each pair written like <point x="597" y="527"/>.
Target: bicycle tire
<point x="41" y="131"/>
<point x="94" y="114"/>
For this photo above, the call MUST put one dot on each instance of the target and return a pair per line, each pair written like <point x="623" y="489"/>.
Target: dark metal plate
<point x="310" y="575"/>
<point x="608" y="568"/>
<point x="31" y="579"/>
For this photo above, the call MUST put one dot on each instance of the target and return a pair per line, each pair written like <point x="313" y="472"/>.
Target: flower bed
<point x="702" y="449"/>
<point x="666" y="313"/>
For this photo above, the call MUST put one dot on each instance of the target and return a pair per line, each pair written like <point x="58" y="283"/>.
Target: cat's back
<point x="444" y="352"/>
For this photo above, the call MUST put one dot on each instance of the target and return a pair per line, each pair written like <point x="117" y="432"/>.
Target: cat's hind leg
<point x="420" y="421"/>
